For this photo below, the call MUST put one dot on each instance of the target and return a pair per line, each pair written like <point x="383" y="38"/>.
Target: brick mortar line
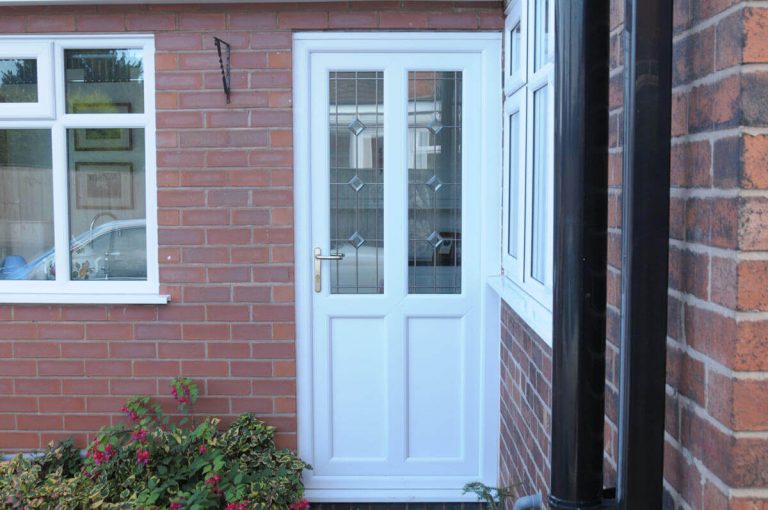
<point x="722" y="74"/>
<point x="680" y="503"/>
<point x="716" y="366"/>
<point x="690" y="299"/>
<point x="712" y="136"/>
<point x="710" y="21"/>
<point x="520" y="413"/>
<point x="708" y="475"/>
<point x="704" y="415"/>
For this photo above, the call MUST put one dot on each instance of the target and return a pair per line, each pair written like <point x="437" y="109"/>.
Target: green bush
<point x="154" y="463"/>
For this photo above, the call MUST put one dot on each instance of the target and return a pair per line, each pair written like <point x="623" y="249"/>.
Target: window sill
<point x="535" y="315"/>
<point x="85" y="299"/>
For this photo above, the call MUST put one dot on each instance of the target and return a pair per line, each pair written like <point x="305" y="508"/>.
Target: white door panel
<point x="395" y="375"/>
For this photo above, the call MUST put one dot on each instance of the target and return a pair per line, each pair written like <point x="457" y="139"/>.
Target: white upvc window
<point x="78" y="199"/>
<point x="528" y="149"/>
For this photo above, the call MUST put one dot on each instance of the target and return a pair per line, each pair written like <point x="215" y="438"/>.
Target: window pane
<point x="434" y="182"/>
<point x="357" y="181"/>
<point x="515" y="50"/>
<point x="541" y="34"/>
<point x="107" y="209"/>
<point x="26" y="205"/>
<point x="540" y="239"/>
<point x="18" y="80"/>
<point x="104" y="81"/>
<point x="514" y="179"/>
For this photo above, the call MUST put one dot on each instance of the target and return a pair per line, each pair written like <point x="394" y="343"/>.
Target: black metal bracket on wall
<point x="582" y="33"/>
<point x="225" y="65"/>
<point x="645" y="252"/>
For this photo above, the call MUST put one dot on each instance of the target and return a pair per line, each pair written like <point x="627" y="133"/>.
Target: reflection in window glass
<point x="434" y="182"/>
<point x="26" y="205"/>
<point x="107" y="209"/>
<point x="18" y="80"/>
<point x="514" y="178"/>
<point x="357" y="181"/>
<point x="540" y="239"/>
<point x="541" y="34"/>
<point x="515" y="50"/>
<point x="104" y="81"/>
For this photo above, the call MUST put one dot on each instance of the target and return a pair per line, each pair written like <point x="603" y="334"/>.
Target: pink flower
<point x="133" y="415"/>
<point x="140" y="435"/>
<point x="302" y="504"/>
<point x="238" y="505"/>
<point x="202" y="448"/>
<point x="181" y="399"/>
<point x="142" y="456"/>
<point x="175" y="505"/>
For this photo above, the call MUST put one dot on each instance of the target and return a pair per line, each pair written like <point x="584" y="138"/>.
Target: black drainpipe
<point x="645" y="251"/>
<point x="581" y="190"/>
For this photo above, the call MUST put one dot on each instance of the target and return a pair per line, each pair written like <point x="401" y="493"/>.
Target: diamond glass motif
<point x="356" y="183"/>
<point x="435" y="239"/>
<point x="435" y="126"/>
<point x="435" y="183"/>
<point x="356" y="240"/>
<point x="357" y="127"/>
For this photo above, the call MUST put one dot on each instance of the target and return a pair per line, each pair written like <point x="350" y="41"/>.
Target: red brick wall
<point x="225" y="213"/>
<point x="716" y="451"/>
<point x="526" y="403"/>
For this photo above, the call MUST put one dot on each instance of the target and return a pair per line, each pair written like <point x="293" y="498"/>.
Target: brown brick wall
<point x="526" y="403"/>
<point x="226" y="224"/>
<point x="716" y="451"/>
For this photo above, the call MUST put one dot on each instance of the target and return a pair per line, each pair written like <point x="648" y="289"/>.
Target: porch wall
<point x="226" y="224"/>
<point x="716" y="451"/>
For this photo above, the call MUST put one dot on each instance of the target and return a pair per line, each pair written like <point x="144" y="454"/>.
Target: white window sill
<point x="89" y="299"/>
<point x="536" y="315"/>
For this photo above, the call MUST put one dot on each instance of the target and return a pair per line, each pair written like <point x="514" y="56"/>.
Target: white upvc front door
<point x="395" y="402"/>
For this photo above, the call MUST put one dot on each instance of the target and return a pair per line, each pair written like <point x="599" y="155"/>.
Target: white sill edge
<point x="538" y="318"/>
<point x="84" y="299"/>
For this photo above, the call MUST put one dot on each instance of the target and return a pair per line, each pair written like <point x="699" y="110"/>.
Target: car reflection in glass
<point x="112" y="251"/>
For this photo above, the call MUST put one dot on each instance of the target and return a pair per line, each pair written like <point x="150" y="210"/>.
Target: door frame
<point x="488" y="46"/>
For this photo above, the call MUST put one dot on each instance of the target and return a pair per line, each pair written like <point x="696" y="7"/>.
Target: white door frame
<point x="488" y="46"/>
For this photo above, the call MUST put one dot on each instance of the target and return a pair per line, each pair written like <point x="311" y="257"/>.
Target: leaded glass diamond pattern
<point x="435" y="183"/>
<point x="357" y="127"/>
<point x="435" y="126"/>
<point x="356" y="240"/>
<point x="435" y="239"/>
<point x="356" y="183"/>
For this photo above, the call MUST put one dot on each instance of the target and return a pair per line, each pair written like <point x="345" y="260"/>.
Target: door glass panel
<point x="18" y="80"/>
<point x="26" y="205"/>
<point x="357" y="181"/>
<point x="541" y="243"/>
<point x="434" y="182"/>
<point x="514" y="178"/>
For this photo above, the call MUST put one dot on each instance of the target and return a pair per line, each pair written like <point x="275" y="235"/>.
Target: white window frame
<point x="527" y="296"/>
<point x="42" y="52"/>
<point x="62" y="289"/>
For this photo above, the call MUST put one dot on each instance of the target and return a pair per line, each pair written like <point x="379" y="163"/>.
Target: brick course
<point x="225" y="212"/>
<point x="715" y="452"/>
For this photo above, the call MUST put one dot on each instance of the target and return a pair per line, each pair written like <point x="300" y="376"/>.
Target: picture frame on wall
<point x="103" y="139"/>
<point x="104" y="185"/>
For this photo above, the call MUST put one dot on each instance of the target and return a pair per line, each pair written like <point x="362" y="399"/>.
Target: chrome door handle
<point x="318" y="266"/>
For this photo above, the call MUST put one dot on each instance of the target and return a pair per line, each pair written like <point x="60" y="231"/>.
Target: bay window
<point x="77" y="163"/>
<point x="528" y="150"/>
